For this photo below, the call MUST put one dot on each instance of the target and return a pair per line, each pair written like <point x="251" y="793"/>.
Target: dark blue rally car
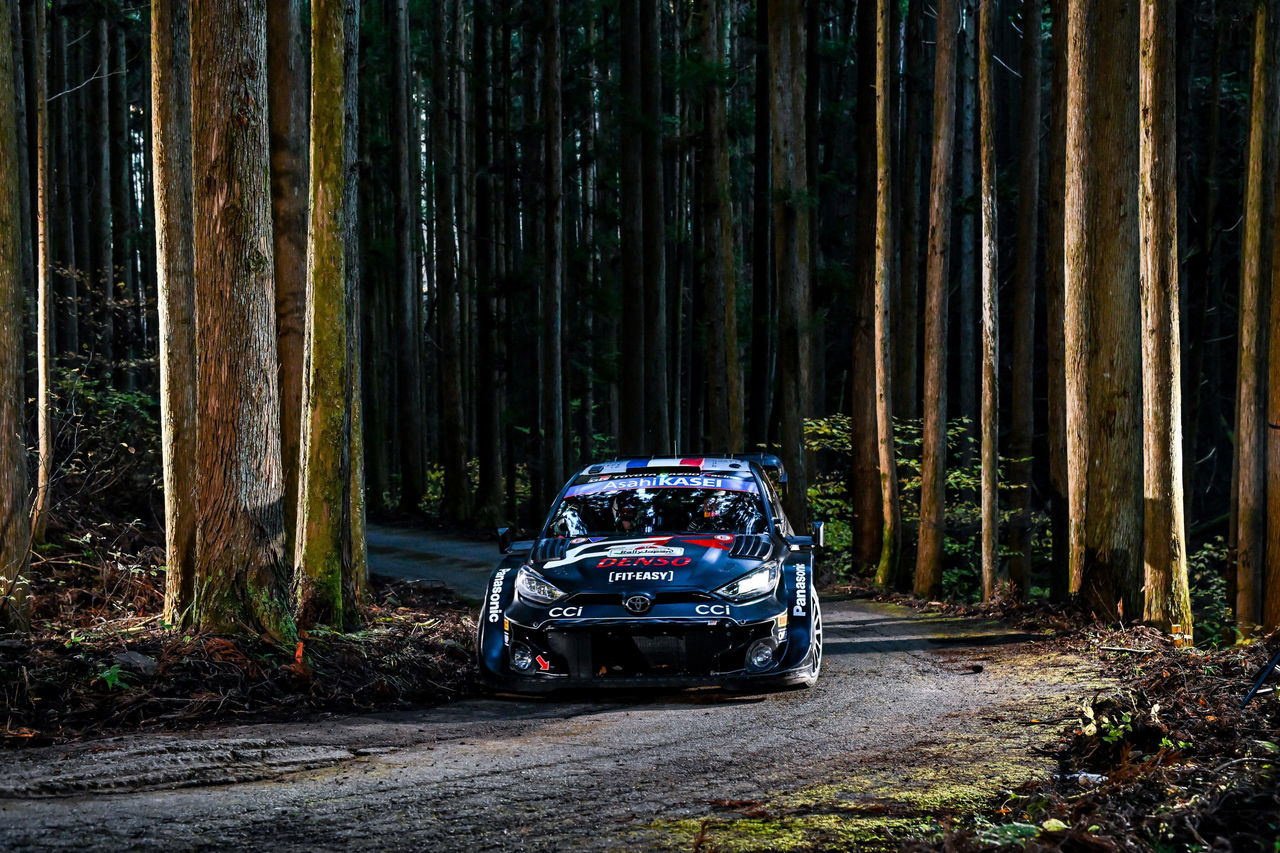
<point x="673" y="572"/>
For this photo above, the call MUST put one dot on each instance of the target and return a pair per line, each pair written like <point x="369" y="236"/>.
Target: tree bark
<point x="287" y="109"/>
<point x="489" y="403"/>
<point x="171" y="164"/>
<point x="103" y="270"/>
<point x="454" y="450"/>
<point x="990" y="323"/>
<point x="356" y="563"/>
<point x="791" y="222"/>
<point x="324" y="476"/>
<point x="63" y="233"/>
<point x="43" y="290"/>
<point x="907" y="317"/>
<point x="552" y="259"/>
<point x="1055" y="322"/>
<point x="657" y="409"/>
<point x="928" y="577"/>
<point x="15" y="530"/>
<point x="1023" y="320"/>
<point x="887" y="565"/>
<point x="865" y="485"/>
<point x="763" y="298"/>
<point x="241" y="567"/>
<point x="724" y="385"/>
<point x="632" y="400"/>
<point x="409" y="405"/>
<point x="1251" y="522"/>
<point x="1103" y="316"/>
<point x="1167" y="600"/>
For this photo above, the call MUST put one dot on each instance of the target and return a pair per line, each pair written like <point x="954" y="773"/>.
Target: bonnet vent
<point x="754" y="547"/>
<point x="550" y="549"/>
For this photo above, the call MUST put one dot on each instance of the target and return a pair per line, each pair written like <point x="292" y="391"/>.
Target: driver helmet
<point x="628" y="511"/>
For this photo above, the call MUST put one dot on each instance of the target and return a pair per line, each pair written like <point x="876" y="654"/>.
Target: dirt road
<point x="900" y="731"/>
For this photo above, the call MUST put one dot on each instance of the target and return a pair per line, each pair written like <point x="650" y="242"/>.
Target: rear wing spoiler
<point x="767" y="461"/>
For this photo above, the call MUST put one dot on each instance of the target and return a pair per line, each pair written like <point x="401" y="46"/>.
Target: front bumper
<point x="626" y="653"/>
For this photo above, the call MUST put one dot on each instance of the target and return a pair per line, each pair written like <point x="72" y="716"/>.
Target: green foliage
<point x="961" y="577"/>
<point x="108" y="443"/>
<point x="114" y="676"/>
<point x="1207" y="571"/>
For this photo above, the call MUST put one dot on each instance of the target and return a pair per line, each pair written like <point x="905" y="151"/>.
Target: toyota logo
<point x="638" y="603"/>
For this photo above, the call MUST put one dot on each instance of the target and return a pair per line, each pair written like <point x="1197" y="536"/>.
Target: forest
<point x="997" y="280"/>
<point x="428" y="257"/>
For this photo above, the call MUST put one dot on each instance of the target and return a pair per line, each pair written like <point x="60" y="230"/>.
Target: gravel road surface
<point x="899" y="693"/>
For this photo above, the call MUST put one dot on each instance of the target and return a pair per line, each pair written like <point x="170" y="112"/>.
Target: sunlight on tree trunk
<point x="241" y="567"/>
<point x="171" y="150"/>
<point x="887" y="567"/>
<point x="1167" y="600"/>
<point x="1103" y="311"/>
<point x="43" y="292"/>
<point x="990" y="428"/>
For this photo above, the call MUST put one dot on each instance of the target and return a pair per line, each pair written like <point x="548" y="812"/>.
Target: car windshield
<point x="660" y="501"/>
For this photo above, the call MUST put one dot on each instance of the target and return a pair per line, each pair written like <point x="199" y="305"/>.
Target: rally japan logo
<point x="645" y="549"/>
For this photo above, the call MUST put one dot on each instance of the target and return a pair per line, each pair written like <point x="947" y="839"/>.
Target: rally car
<point x="673" y="572"/>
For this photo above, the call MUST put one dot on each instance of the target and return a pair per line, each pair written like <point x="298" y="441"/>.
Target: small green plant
<point x="114" y="677"/>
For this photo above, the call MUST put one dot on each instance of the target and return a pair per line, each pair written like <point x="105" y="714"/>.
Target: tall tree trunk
<point x="632" y="402"/>
<point x="865" y="485"/>
<point x="15" y="530"/>
<point x="791" y="222"/>
<point x="1055" y="307"/>
<point x="907" y="318"/>
<point x="356" y="565"/>
<point x="454" y="450"/>
<point x="64" y="246"/>
<point x="990" y="324"/>
<point x="122" y="203"/>
<point x="1167" y="599"/>
<point x="489" y="402"/>
<point x="1103" y="323"/>
<point x="324" y="476"/>
<point x="103" y="270"/>
<point x="241" y="567"/>
<point x="552" y="259"/>
<point x="409" y="405"/>
<point x="763" y="296"/>
<point x="933" y="533"/>
<point x="171" y="152"/>
<point x="1023" y="320"/>
<point x="657" y="410"/>
<point x="966" y="268"/>
<point x="724" y="385"/>
<point x="1251" y="522"/>
<point x="889" y="513"/>
<point x="43" y="289"/>
<point x="287" y="90"/>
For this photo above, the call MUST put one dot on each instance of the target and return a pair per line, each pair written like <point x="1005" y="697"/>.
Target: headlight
<point x="758" y="584"/>
<point x="533" y="588"/>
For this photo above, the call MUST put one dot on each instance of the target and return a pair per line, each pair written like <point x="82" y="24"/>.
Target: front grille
<point x="673" y="597"/>
<point x="600" y="652"/>
<point x="753" y="547"/>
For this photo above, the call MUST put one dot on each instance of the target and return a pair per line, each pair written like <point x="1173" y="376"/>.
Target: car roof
<point x="637" y="463"/>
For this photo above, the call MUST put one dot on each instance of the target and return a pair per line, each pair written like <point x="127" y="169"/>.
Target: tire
<point x="815" y="647"/>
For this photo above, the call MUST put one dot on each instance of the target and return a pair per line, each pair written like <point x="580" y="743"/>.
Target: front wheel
<point x="815" y="647"/>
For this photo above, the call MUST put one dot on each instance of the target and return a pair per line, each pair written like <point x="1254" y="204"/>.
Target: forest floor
<point x="933" y="727"/>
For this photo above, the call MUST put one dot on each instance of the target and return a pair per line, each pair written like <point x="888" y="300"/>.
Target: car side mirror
<point x="801" y="543"/>
<point x="819" y="534"/>
<point x="507" y="546"/>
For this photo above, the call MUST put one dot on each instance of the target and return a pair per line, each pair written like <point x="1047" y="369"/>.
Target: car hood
<point x="655" y="563"/>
